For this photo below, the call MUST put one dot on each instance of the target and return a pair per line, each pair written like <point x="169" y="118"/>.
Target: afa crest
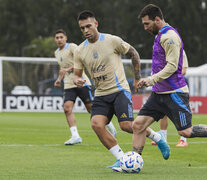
<point x="95" y="54"/>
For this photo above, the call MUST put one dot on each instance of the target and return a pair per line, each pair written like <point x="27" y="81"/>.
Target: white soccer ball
<point x="131" y="162"/>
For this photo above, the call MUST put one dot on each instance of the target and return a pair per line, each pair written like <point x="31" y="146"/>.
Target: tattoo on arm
<point x="199" y="131"/>
<point x="138" y="150"/>
<point x="134" y="55"/>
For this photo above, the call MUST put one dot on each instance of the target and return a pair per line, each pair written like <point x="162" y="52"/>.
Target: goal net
<point x="27" y="84"/>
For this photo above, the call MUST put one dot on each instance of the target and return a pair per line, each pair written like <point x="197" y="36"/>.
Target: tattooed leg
<point x="138" y="150"/>
<point x="199" y="131"/>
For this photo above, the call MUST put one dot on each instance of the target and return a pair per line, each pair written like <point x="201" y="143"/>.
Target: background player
<point x="64" y="55"/>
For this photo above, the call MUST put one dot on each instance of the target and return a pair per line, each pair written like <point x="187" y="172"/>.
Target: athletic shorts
<point x="119" y="103"/>
<point x="174" y="105"/>
<point x="83" y="93"/>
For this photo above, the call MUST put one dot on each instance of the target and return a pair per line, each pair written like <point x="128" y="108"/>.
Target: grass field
<point x="31" y="147"/>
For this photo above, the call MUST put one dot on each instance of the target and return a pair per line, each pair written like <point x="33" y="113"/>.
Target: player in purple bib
<point x="170" y="94"/>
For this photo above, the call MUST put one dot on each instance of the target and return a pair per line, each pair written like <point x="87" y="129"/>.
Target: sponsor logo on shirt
<point x="100" y="68"/>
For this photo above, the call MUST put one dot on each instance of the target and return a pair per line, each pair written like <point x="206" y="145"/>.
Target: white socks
<point x="183" y="139"/>
<point x="117" y="151"/>
<point x="110" y="126"/>
<point x="154" y="136"/>
<point x="74" y="131"/>
<point x="165" y="133"/>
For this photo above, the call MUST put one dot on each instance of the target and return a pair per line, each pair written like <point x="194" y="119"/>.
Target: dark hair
<point x="60" y="31"/>
<point x="85" y="15"/>
<point x="152" y="11"/>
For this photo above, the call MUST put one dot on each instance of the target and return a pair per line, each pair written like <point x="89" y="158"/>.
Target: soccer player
<point x="164" y="121"/>
<point x="170" y="94"/>
<point x="64" y="55"/>
<point x="100" y="54"/>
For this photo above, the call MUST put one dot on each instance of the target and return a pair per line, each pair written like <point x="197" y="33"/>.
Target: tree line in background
<point x="27" y="26"/>
<point x="26" y="22"/>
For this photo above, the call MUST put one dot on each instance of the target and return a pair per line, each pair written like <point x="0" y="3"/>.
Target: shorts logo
<point x="123" y="115"/>
<point x="182" y="119"/>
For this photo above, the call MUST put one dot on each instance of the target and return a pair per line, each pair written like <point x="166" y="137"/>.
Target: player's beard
<point x="155" y="29"/>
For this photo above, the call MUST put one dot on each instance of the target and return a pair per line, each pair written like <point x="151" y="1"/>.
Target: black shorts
<point x="84" y="93"/>
<point x="174" y="105"/>
<point x="119" y="103"/>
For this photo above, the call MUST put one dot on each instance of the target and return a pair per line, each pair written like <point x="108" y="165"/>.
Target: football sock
<point x="74" y="131"/>
<point x="110" y="126"/>
<point x="165" y="133"/>
<point x="117" y="151"/>
<point x="154" y="136"/>
<point x="183" y="139"/>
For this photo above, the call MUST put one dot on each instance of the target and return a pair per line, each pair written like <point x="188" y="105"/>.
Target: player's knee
<point x="185" y="133"/>
<point x="126" y="126"/>
<point x="96" y="125"/>
<point x="67" y="110"/>
<point x="138" y="126"/>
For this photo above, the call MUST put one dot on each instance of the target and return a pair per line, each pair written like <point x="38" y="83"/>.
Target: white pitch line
<point x="201" y="167"/>
<point x="28" y="145"/>
<point x="200" y="142"/>
<point x="83" y="144"/>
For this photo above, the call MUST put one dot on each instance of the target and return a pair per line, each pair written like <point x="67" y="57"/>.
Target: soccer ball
<point x="131" y="162"/>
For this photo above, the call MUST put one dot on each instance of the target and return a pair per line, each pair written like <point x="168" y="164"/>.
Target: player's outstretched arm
<point x="134" y="56"/>
<point x="77" y="78"/>
<point x="64" y="70"/>
<point x="61" y="75"/>
<point x="58" y="81"/>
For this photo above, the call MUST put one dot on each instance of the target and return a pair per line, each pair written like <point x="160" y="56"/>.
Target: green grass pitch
<point x="31" y="147"/>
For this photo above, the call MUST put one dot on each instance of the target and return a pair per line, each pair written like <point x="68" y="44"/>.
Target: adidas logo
<point x="171" y="42"/>
<point x="123" y="115"/>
